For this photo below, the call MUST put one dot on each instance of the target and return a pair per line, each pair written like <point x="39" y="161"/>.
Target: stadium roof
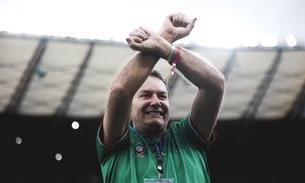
<point x="71" y="77"/>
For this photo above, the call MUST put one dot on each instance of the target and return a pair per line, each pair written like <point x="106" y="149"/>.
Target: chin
<point x="156" y="123"/>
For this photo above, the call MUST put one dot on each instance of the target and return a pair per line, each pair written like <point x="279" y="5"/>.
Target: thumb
<point x="187" y="30"/>
<point x="168" y="19"/>
<point x="129" y="41"/>
<point x="147" y="31"/>
<point x="132" y="44"/>
<point x="191" y="25"/>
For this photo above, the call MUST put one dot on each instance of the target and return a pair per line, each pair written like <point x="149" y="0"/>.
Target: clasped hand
<point x="144" y="40"/>
<point x="175" y="27"/>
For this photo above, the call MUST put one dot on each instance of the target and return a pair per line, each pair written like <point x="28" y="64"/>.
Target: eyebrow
<point x="150" y="91"/>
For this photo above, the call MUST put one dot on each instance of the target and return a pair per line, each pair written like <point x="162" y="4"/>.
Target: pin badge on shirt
<point x="139" y="149"/>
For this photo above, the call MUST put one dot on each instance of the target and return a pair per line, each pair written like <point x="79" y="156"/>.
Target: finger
<point x="186" y="21"/>
<point x="187" y="30"/>
<point x="129" y="41"/>
<point x="137" y="39"/>
<point x="169" y="19"/>
<point x="180" y="19"/>
<point x="132" y="44"/>
<point x="191" y="25"/>
<point x="145" y="30"/>
<point x="175" y="20"/>
<point x="138" y="33"/>
<point x="171" y="16"/>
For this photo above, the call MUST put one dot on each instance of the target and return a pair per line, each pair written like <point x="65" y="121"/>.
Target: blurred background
<point x="58" y="58"/>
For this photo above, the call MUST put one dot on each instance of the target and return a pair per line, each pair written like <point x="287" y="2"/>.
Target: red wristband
<point x="176" y="58"/>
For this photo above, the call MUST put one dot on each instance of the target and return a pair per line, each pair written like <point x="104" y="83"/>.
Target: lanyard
<point x="158" y="149"/>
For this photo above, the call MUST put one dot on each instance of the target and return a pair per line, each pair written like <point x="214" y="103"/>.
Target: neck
<point x="150" y="133"/>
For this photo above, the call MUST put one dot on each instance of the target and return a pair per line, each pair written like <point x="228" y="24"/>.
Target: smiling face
<point x="150" y="107"/>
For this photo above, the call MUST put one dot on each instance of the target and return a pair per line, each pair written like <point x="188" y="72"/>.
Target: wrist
<point x="168" y="37"/>
<point x="165" y="48"/>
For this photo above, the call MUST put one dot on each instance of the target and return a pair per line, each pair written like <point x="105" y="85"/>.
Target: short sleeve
<point x="185" y="129"/>
<point x="103" y="151"/>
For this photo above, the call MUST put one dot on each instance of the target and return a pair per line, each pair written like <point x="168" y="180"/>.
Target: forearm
<point x="200" y="71"/>
<point x="133" y="74"/>
<point x="130" y="77"/>
<point x="211" y="85"/>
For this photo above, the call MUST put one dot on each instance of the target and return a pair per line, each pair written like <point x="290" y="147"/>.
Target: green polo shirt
<point x="133" y="159"/>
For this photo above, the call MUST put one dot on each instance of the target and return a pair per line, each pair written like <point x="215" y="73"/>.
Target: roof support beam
<point x="298" y="109"/>
<point x="14" y="105"/>
<point x="263" y="88"/>
<point x="230" y="64"/>
<point x="66" y="102"/>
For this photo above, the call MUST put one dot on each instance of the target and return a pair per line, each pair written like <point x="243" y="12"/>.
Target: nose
<point x="155" y="102"/>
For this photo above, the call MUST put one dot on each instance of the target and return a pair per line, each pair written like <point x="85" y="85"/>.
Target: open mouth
<point x="154" y="113"/>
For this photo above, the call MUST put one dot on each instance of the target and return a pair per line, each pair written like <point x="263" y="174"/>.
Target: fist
<point x="177" y="26"/>
<point x="143" y="40"/>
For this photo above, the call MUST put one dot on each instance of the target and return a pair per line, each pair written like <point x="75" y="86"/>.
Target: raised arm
<point x="118" y="109"/>
<point x="209" y="81"/>
<point x="127" y="82"/>
<point x="211" y="86"/>
<point x="135" y="72"/>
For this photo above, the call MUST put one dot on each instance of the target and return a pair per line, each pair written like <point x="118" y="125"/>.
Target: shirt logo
<point x="139" y="150"/>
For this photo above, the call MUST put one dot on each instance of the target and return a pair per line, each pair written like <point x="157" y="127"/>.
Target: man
<point x="149" y="151"/>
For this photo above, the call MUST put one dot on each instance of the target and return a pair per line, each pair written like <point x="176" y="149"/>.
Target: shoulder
<point x="185" y="129"/>
<point x="180" y="125"/>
